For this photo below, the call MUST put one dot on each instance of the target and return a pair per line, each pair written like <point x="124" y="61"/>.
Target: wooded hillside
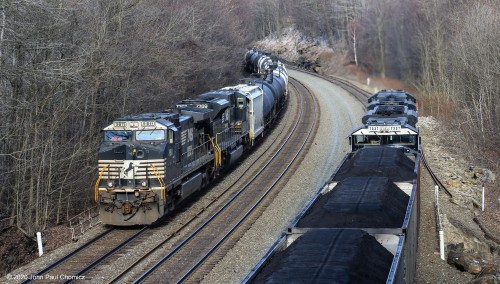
<point x="68" y="68"/>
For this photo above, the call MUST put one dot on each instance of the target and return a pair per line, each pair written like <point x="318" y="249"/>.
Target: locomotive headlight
<point x="144" y="183"/>
<point x="110" y="184"/>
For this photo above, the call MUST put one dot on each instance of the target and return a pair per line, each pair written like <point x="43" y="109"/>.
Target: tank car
<point x="273" y="79"/>
<point x="149" y="163"/>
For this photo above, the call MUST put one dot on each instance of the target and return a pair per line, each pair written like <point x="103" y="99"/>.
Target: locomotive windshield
<point x="407" y="140"/>
<point x="143" y="135"/>
<point x="150" y="135"/>
<point x="117" y="135"/>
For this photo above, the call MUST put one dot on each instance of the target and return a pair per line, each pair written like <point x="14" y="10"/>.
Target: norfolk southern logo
<point x="126" y="170"/>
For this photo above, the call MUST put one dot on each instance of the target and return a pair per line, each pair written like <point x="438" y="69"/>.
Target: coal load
<point x="378" y="161"/>
<point x="359" y="202"/>
<point x="346" y="256"/>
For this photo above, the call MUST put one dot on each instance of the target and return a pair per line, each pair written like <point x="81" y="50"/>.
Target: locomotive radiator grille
<point x="130" y="169"/>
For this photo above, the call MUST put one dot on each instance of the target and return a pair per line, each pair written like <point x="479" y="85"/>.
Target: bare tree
<point x="474" y="67"/>
<point x="65" y="75"/>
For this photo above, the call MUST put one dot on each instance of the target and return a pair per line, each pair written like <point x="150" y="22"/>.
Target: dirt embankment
<point x="16" y="249"/>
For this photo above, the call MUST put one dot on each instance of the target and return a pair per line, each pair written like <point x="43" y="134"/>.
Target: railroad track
<point x="196" y="254"/>
<point x="360" y="94"/>
<point x="434" y="176"/>
<point x="86" y="257"/>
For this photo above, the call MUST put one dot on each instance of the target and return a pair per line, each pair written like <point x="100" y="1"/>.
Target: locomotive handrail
<point x="219" y="149"/>
<point x="96" y="187"/>
<point x="162" y="184"/>
<point x="216" y="151"/>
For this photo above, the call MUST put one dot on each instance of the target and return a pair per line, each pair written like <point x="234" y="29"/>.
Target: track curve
<point x="204" y="248"/>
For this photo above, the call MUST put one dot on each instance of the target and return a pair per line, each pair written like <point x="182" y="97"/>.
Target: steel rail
<point x="66" y="257"/>
<point x="108" y="254"/>
<point x="434" y="176"/>
<point x="343" y="83"/>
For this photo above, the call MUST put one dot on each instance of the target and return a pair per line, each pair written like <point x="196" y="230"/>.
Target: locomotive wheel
<point x="205" y="181"/>
<point x="171" y="206"/>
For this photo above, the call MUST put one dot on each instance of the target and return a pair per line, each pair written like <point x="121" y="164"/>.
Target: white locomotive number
<point x="147" y="123"/>
<point x="384" y="128"/>
<point x="202" y="105"/>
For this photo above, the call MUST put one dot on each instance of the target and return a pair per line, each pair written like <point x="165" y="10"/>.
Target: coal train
<point x="149" y="163"/>
<point x="362" y="225"/>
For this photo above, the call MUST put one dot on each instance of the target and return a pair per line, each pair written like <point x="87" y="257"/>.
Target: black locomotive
<point x="149" y="163"/>
<point x="390" y="119"/>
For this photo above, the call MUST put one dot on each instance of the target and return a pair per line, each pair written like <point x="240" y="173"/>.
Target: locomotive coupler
<point x="127" y="208"/>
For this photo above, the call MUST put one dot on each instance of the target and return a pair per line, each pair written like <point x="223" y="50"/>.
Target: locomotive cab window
<point x="170" y="134"/>
<point x="241" y="103"/>
<point x="149" y="135"/>
<point x="117" y="135"/>
<point x="366" y="139"/>
<point x="361" y="139"/>
<point x="402" y="139"/>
